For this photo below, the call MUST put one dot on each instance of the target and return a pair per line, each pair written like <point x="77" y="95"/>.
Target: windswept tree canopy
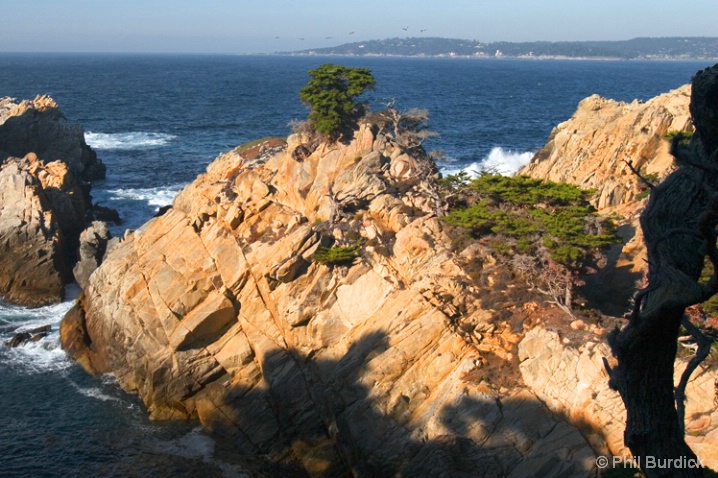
<point x="331" y="95"/>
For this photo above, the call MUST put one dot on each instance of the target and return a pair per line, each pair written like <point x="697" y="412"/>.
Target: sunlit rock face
<point x="41" y="210"/>
<point x="218" y="310"/>
<point x="38" y="126"/>
<point x="593" y="148"/>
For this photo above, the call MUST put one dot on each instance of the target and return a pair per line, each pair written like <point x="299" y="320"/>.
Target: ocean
<point x="158" y="121"/>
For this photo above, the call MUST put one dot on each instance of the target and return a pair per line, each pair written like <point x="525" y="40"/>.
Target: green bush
<point x="331" y="95"/>
<point x="533" y="214"/>
<point x="336" y="255"/>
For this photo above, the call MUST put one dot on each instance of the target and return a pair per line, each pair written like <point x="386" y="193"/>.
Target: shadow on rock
<point x="321" y="418"/>
<point x="610" y="290"/>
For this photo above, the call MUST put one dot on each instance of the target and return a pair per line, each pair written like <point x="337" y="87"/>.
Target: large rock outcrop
<point x="564" y="367"/>
<point x="569" y="377"/>
<point x="388" y="365"/>
<point x="46" y="204"/>
<point x="33" y="255"/>
<point x="38" y="126"/>
<point x="592" y="148"/>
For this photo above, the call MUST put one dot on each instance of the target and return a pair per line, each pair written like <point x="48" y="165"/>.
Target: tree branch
<point x="704" y="348"/>
<point x="637" y="173"/>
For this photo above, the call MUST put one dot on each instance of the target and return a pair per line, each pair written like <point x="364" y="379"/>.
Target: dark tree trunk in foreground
<point x="679" y="228"/>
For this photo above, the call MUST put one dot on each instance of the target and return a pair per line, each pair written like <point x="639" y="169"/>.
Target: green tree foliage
<point x="532" y="215"/>
<point x="331" y="95"/>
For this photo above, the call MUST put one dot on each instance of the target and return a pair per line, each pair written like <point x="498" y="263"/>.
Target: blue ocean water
<point x="157" y="121"/>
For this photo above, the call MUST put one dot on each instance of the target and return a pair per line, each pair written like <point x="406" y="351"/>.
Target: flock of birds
<point x="406" y="29"/>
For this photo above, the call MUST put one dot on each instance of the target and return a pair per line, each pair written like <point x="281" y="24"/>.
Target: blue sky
<point x="254" y="26"/>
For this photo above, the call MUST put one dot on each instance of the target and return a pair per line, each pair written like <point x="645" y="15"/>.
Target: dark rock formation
<point x="33" y="335"/>
<point x="93" y="245"/>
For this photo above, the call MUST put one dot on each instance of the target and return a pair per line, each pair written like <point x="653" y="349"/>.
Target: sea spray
<point x="499" y="160"/>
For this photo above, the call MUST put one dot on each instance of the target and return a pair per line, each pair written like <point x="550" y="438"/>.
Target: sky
<point x="268" y="26"/>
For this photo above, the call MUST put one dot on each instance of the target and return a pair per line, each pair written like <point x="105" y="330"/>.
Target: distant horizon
<point x="270" y="26"/>
<point x="294" y="52"/>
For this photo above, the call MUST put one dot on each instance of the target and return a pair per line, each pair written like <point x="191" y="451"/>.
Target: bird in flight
<point x="405" y="29"/>
<point x="351" y="33"/>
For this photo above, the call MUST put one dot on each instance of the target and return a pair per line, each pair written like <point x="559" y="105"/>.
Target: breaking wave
<point x="127" y="141"/>
<point x="46" y="354"/>
<point x="158" y="197"/>
<point x="499" y="160"/>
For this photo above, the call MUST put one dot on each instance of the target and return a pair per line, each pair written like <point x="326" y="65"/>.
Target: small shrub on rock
<point x="337" y="255"/>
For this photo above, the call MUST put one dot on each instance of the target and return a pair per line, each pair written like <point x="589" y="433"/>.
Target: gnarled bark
<point x="679" y="228"/>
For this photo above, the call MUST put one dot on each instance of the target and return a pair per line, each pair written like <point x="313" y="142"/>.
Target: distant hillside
<point x="676" y="48"/>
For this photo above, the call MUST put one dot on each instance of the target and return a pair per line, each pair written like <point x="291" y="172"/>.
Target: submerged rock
<point x="21" y="338"/>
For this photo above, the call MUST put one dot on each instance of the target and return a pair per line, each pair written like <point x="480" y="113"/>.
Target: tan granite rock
<point x="33" y="265"/>
<point x="592" y="148"/>
<point x="571" y="380"/>
<point x="217" y="311"/>
<point x="39" y="126"/>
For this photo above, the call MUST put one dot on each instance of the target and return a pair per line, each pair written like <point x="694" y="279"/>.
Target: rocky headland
<point x="216" y="310"/>
<point x="45" y="202"/>
<point x="307" y="304"/>
<point x="394" y="354"/>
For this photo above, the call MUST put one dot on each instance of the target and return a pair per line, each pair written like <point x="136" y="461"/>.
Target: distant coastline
<point x="663" y="49"/>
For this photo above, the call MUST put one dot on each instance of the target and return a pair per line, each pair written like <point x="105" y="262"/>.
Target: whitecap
<point x="45" y="354"/>
<point x="159" y="196"/>
<point x="128" y="140"/>
<point x="499" y="160"/>
<point x="506" y="161"/>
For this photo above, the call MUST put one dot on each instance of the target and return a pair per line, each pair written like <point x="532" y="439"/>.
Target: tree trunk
<point x="679" y="228"/>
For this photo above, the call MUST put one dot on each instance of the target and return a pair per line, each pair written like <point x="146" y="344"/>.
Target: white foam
<point x="501" y="161"/>
<point x="128" y="140"/>
<point x="159" y="196"/>
<point x="195" y="444"/>
<point x="46" y="354"/>
<point x="97" y="394"/>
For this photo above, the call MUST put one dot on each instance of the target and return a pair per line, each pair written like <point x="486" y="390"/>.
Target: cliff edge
<point x="592" y="148"/>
